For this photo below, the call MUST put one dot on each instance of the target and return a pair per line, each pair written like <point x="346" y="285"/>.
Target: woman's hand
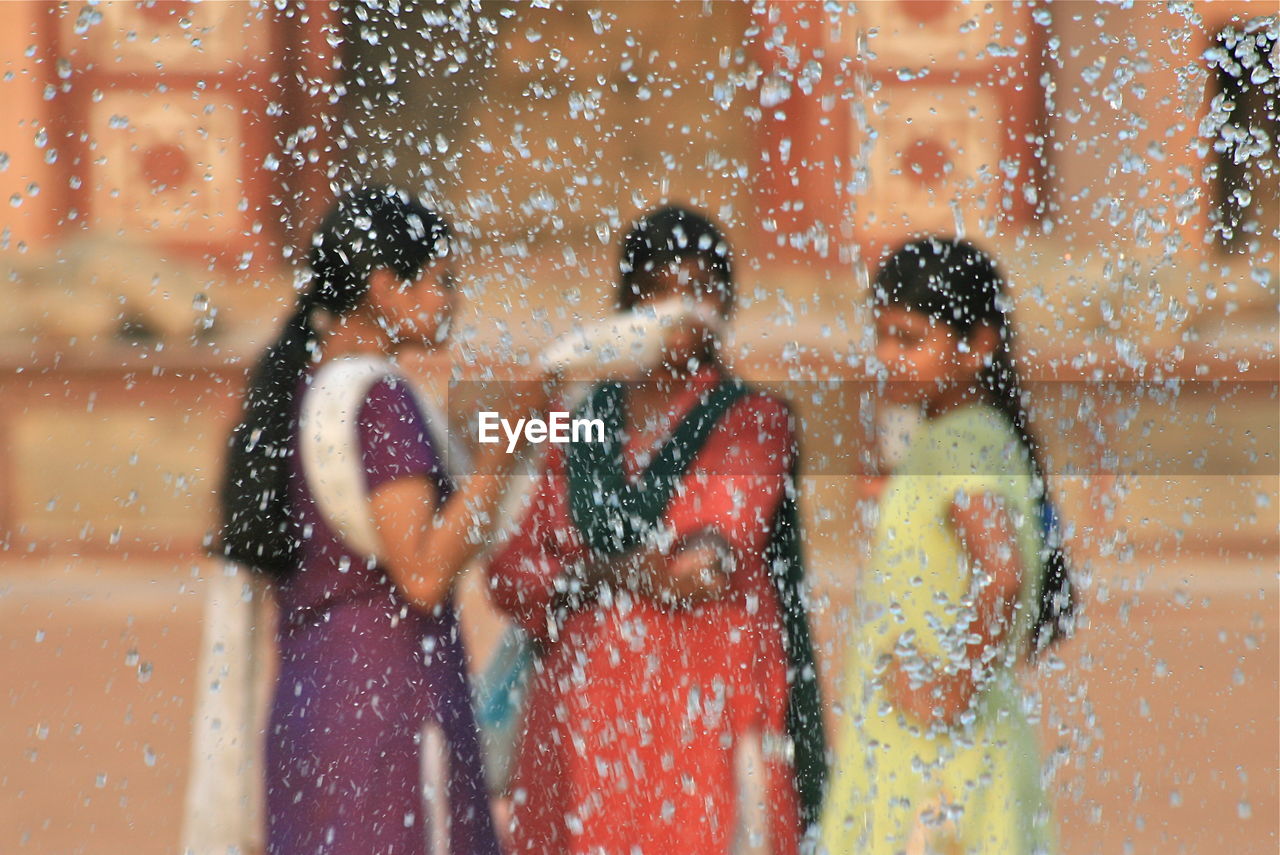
<point x="942" y="700"/>
<point x="695" y="570"/>
<point x="698" y="572"/>
<point x="627" y="571"/>
<point x="871" y="487"/>
<point x="525" y="398"/>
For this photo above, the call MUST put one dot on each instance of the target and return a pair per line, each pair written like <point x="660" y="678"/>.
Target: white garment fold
<point x="223" y="808"/>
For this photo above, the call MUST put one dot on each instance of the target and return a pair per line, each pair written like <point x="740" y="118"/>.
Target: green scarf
<point x="613" y="515"/>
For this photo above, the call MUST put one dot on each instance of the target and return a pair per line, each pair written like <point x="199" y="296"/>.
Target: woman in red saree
<point x="674" y="697"/>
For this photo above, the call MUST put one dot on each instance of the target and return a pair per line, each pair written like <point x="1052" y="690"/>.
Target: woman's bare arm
<point x="425" y="551"/>
<point x="988" y="536"/>
<point x="695" y="570"/>
<point x="426" y="547"/>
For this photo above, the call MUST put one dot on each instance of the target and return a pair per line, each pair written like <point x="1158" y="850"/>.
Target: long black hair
<point x="369" y="229"/>
<point x="954" y="282"/>
<point x="670" y="234"/>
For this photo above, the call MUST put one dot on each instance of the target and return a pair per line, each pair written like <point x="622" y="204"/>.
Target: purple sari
<point x="371" y="691"/>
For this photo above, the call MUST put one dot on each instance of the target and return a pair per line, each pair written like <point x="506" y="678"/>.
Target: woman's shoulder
<point x="758" y="425"/>
<point x="396" y="440"/>
<point x="364" y="388"/>
<point x="980" y="438"/>
<point x="391" y="414"/>
<point x="763" y="410"/>
<point x="390" y="398"/>
<point x="975" y="420"/>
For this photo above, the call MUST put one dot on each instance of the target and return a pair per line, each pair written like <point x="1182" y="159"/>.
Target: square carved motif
<point x="173" y="36"/>
<point x="934" y="163"/>
<point x="168" y="165"/>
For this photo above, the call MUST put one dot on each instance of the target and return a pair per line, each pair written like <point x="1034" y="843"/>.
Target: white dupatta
<point x="223" y="810"/>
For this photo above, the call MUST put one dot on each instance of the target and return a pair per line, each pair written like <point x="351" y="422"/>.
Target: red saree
<point x="640" y="715"/>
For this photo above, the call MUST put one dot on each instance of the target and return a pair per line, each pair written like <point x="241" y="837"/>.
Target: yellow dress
<point x="900" y="786"/>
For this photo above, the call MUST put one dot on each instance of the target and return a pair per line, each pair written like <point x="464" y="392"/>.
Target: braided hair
<point x="369" y="229"/>
<point x="955" y="283"/>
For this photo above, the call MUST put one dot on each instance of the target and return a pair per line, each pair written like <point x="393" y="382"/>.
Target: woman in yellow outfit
<point x="936" y="752"/>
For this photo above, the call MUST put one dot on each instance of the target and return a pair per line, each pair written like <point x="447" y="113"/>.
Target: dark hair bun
<point x="949" y="279"/>
<point x="670" y="234"/>
<point x="370" y="229"/>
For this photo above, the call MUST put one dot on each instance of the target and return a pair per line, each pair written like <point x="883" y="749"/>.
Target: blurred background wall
<point x="162" y="164"/>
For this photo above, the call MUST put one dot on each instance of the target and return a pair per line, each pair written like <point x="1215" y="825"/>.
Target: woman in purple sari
<point x="372" y="745"/>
